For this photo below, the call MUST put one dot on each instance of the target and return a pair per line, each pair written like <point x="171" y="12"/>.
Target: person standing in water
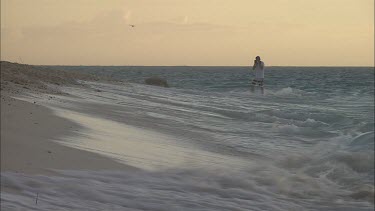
<point x="259" y="73"/>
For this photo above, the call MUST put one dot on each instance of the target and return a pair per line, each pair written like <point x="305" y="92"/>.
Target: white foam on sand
<point x="138" y="147"/>
<point x="261" y="188"/>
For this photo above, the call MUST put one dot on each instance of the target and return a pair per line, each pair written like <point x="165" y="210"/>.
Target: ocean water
<point x="209" y="142"/>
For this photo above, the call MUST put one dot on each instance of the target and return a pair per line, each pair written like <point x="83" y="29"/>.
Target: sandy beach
<point x="28" y="129"/>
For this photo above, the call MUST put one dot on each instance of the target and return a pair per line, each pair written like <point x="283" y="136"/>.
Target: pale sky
<point x="188" y="32"/>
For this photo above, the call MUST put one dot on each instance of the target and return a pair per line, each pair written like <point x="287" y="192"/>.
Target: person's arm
<point x="255" y="64"/>
<point x="262" y="65"/>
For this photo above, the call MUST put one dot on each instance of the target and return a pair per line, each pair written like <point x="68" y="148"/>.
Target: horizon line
<point x="85" y="65"/>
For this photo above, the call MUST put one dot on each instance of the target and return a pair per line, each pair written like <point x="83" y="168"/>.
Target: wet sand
<point x="29" y="131"/>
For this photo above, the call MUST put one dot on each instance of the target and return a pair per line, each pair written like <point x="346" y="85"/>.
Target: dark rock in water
<point x="156" y="81"/>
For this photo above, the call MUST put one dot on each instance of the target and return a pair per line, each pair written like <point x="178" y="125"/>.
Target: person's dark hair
<point x="258" y="57"/>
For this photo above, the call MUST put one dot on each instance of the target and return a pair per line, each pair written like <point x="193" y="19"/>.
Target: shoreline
<point x="187" y="155"/>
